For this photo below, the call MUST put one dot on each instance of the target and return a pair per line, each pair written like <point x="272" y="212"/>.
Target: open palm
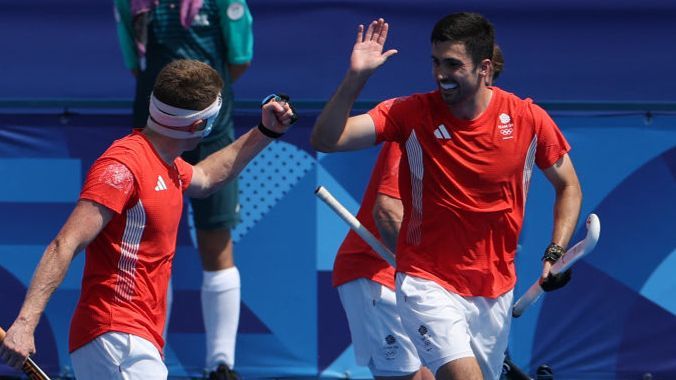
<point x="367" y="53"/>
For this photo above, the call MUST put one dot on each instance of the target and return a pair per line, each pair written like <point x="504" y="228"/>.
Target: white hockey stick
<point x="572" y="255"/>
<point x="356" y="226"/>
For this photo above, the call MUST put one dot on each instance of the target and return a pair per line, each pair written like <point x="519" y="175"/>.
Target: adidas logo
<point x="160" y="184"/>
<point x="441" y="133"/>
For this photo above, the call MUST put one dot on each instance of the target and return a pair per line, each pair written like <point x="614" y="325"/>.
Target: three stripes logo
<point x="160" y="184"/>
<point x="441" y="133"/>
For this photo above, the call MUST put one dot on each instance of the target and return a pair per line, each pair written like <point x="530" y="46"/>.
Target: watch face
<point x="269" y="98"/>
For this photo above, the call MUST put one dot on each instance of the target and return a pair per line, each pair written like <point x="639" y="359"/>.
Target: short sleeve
<point x="237" y="28"/>
<point x="389" y="117"/>
<point x="184" y="173"/>
<point x="109" y="183"/>
<point x="551" y="145"/>
<point x="389" y="179"/>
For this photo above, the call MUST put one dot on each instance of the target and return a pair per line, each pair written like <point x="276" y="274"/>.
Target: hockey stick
<point x="29" y="367"/>
<point x="356" y="226"/>
<point x="579" y="250"/>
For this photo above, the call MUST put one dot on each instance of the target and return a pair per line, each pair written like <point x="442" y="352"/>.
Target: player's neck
<point x="166" y="147"/>
<point x="474" y="106"/>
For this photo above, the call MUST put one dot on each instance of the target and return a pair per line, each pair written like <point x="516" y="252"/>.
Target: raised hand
<point x="367" y="53"/>
<point x="277" y="115"/>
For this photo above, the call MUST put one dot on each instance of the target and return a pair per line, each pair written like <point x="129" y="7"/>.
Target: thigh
<point x="100" y="358"/>
<point x="436" y="322"/>
<point x="490" y="332"/>
<point x="377" y="334"/>
<point x="143" y="362"/>
<point x="219" y="210"/>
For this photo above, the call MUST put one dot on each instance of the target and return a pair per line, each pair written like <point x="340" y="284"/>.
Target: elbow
<point x="322" y="148"/>
<point x="571" y="194"/>
<point x="387" y="210"/>
<point x="573" y="190"/>
<point x="576" y="190"/>
<point x="320" y="145"/>
<point x="63" y="249"/>
<point x="206" y="189"/>
<point x="379" y="213"/>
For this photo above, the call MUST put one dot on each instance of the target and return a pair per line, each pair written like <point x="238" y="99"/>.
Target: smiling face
<point x="458" y="78"/>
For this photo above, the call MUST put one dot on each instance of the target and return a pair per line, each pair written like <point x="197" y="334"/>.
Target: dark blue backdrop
<point x="555" y="50"/>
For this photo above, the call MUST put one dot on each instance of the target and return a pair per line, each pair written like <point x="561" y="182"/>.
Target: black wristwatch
<point x="269" y="132"/>
<point x="553" y="253"/>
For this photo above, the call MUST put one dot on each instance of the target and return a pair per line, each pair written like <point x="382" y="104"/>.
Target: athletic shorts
<point x="378" y="337"/>
<point x="220" y="209"/>
<point x="118" y="356"/>
<point x="445" y="326"/>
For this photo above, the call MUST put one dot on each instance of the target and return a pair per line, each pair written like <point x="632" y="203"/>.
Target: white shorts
<point x="445" y="326"/>
<point x="375" y="326"/>
<point x="118" y="356"/>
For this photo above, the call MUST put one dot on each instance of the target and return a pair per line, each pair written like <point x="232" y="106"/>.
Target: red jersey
<point x="128" y="265"/>
<point x="355" y="258"/>
<point x="463" y="185"/>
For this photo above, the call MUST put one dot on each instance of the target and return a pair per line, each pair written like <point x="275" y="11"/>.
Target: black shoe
<point x="506" y="368"/>
<point x="511" y="371"/>
<point x="544" y="372"/>
<point x="223" y="373"/>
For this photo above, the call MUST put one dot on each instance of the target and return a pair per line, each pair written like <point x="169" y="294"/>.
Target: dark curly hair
<point x="471" y="29"/>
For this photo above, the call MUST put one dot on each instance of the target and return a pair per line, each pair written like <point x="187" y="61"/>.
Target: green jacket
<point x="235" y="32"/>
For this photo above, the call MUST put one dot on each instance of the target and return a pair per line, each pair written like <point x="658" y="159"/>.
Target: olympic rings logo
<point x="506" y="131"/>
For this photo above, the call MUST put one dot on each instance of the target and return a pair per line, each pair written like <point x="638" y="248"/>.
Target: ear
<point x="196" y="125"/>
<point x="487" y="71"/>
<point x="486" y="67"/>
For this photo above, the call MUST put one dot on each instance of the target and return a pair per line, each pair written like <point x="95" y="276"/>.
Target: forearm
<point x="566" y="213"/>
<point x="387" y="215"/>
<point x="48" y="276"/>
<point x="389" y="231"/>
<point x="236" y="71"/>
<point x="227" y="163"/>
<point x="332" y="120"/>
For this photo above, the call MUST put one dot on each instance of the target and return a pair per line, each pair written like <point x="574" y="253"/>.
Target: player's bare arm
<point x="84" y="223"/>
<point x="334" y="129"/>
<point x="236" y="71"/>
<point x="388" y="213"/>
<point x="567" y="203"/>
<point x="227" y="163"/>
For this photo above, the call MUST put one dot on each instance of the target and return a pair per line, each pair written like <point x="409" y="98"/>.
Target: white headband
<point x="175" y="122"/>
